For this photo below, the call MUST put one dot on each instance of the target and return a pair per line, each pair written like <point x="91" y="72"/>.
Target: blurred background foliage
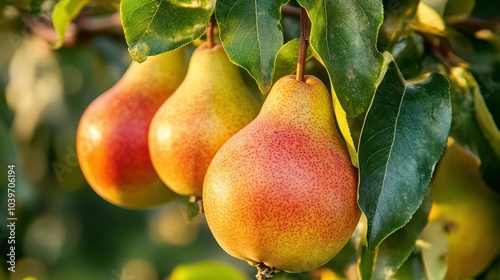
<point x="65" y="230"/>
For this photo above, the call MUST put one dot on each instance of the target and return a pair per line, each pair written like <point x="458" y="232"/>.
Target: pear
<point x="468" y="210"/>
<point x="112" y="135"/>
<point x="206" y="270"/>
<point x="210" y="105"/>
<point x="282" y="192"/>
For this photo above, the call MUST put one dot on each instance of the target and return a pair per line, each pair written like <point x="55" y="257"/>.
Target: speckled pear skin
<point x="282" y="191"/>
<point x="112" y="135"/>
<point x="210" y="106"/>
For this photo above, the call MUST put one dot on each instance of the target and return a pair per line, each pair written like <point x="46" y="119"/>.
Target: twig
<point x="472" y="25"/>
<point x="304" y="43"/>
<point x="289" y="10"/>
<point x="210" y="32"/>
<point x="441" y="49"/>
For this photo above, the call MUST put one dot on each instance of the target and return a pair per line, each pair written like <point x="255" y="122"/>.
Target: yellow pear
<point x="468" y="210"/>
<point x="112" y="136"/>
<point x="282" y="192"/>
<point x="206" y="270"/>
<point x="210" y="105"/>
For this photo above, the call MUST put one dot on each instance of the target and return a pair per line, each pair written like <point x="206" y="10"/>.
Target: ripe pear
<point x="468" y="210"/>
<point x="210" y="105"/>
<point x="112" y="136"/>
<point x="282" y="192"/>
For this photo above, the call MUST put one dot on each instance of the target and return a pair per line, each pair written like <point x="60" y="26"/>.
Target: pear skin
<point x="209" y="107"/>
<point x="282" y="191"/>
<point x="468" y="210"/>
<point x="112" y="135"/>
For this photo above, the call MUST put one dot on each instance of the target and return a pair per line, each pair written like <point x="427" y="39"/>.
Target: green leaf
<point x="155" y="27"/>
<point x="486" y="122"/>
<point x="408" y="53"/>
<point x="366" y="263"/>
<point x="412" y="269"/>
<point x="286" y="61"/>
<point x="250" y="32"/>
<point x="391" y="254"/>
<point x="402" y="139"/>
<point x="192" y="209"/>
<point x="395" y="249"/>
<point x="472" y="123"/>
<point x="62" y="15"/>
<point x="344" y="35"/>
<point x="397" y="18"/>
<point x="36" y="7"/>
<point x="457" y="10"/>
<point x="206" y="270"/>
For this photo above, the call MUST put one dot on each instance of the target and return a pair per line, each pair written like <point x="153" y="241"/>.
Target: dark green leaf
<point x="412" y="269"/>
<point x="408" y="53"/>
<point x="154" y="27"/>
<point x="395" y="249"/>
<point x="397" y="17"/>
<point x="344" y="35"/>
<point x="36" y="7"/>
<point x="286" y="61"/>
<point x="403" y="137"/>
<point x="62" y="15"/>
<point x="366" y="263"/>
<point x="458" y="10"/>
<point x="251" y="34"/>
<point x="478" y="134"/>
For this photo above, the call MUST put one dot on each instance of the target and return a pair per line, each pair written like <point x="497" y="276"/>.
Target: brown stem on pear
<point x="264" y="271"/>
<point x="199" y="201"/>
<point x="291" y="11"/>
<point x="304" y="43"/>
<point x="210" y="32"/>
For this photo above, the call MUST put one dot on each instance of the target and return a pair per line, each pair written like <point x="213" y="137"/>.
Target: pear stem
<point x="304" y="43"/>
<point x="199" y="201"/>
<point x="264" y="271"/>
<point x="210" y="31"/>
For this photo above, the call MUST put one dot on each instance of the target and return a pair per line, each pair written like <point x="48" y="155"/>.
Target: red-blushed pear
<point x="282" y="192"/>
<point x="210" y="106"/>
<point x="112" y="136"/>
